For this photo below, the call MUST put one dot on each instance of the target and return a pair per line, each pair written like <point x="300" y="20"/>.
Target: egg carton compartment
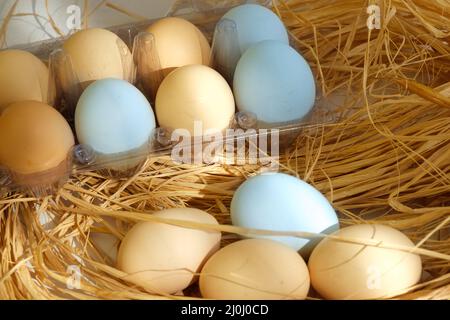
<point x="246" y="139"/>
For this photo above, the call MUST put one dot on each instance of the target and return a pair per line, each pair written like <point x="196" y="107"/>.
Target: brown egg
<point x="195" y="94"/>
<point x="179" y="43"/>
<point x="163" y="258"/>
<point x="34" y="137"/>
<point x="22" y="77"/>
<point x="255" y="269"/>
<point x="341" y="270"/>
<point x="98" y="54"/>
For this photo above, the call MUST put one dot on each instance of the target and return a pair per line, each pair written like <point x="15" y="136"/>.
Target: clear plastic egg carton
<point x="245" y="142"/>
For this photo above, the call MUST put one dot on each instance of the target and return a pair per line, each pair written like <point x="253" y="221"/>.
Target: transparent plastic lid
<point x="245" y="140"/>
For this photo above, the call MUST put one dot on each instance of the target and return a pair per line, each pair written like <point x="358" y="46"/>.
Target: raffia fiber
<point x="386" y="159"/>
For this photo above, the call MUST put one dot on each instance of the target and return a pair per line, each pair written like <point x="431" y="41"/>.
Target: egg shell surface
<point x="274" y="82"/>
<point x="23" y="77"/>
<point x="112" y="116"/>
<point x="255" y="269"/>
<point x="195" y="93"/>
<point x="98" y="54"/>
<point x="34" y="137"/>
<point x="179" y="43"/>
<point x="163" y="258"/>
<point x="347" y="271"/>
<point x="280" y="202"/>
<point x="256" y="23"/>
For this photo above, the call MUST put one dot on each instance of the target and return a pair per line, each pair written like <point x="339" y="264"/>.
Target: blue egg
<point x="112" y="116"/>
<point x="240" y="29"/>
<point x="256" y="23"/>
<point x="273" y="81"/>
<point x="280" y="202"/>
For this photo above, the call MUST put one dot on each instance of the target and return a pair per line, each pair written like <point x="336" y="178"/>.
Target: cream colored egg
<point x="22" y="77"/>
<point x="164" y="258"/>
<point x="255" y="269"/>
<point x="192" y="95"/>
<point x="341" y="270"/>
<point x="98" y="54"/>
<point x="179" y="43"/>
<point x="206" y="48"/>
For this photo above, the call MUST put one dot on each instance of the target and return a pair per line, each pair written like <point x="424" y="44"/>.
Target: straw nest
<point x="385" y="160"/>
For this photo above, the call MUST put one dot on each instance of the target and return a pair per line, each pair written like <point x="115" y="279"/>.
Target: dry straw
<point x="385" y="160"/>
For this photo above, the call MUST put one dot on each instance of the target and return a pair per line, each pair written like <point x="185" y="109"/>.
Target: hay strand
<point x="384" y="160"/>
<point x="5" y="23"/>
